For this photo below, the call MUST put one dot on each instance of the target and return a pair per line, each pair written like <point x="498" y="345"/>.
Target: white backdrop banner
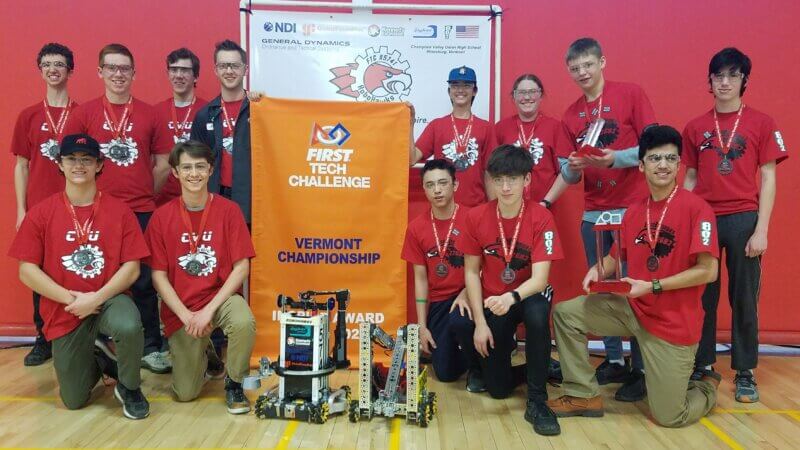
<point x="369" y="58"/>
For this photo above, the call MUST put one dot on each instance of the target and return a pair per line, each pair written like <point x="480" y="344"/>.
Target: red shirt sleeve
<point x="162" y="141"/>
<point x="489" y="144"/>
<point x="469" y="242"/>
<point x="28" y="244"/>
<point x="20" y="143"/>
<point x="772" y="148"/>
<point x="566" y="142"/>
<point x="546" y="240"/>
<point x="643" y="114"/>
<point x="426" y="140"/>
<point x="154" y="235"/>
<point x="134" y="246"/>
<point x="239" y="236"/>
<point x="412" y="252"/>
<point x="689" y="152"/>
<point x="704" y="229"/>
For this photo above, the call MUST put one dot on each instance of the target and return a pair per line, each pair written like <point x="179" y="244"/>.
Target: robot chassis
<point x="416" y="403"/>
<point x="303" y="392"/>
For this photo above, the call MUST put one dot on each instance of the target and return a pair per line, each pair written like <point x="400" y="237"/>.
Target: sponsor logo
<point x="428" y="32"/>
<point x="329" y="134"/>
<point x="376" y="76"/>
<point x="374" y="30"/>
<point x="312" y="28"/>
<point x="280" y="27"/>
<point x="447" y="30"/>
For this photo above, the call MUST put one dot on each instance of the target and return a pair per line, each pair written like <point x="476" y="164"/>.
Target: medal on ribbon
<point x="441" y="248"/>
<point x="725" y="166"/>
<point x="652" y="240"/>
<point x="508" y="275"/>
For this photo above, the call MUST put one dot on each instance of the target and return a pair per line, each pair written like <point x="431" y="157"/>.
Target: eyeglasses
<point x="655" y="159"/>
<point x="178" y="70"/>
<point x="442" y="184"/>
<point x="74" y="161"/>
<point x="114" y="68"/>
<point x="56" y="64"/>
<point x="575" y="69"/>
<point x="222" y="67"/>
<point x="719" y="77"/>
<point x="199" y="168"/>
<point x="532" y="93"/>
<point x="510" y="181"/>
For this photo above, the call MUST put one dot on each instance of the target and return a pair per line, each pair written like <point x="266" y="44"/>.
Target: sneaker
<point x="554" y="374"/>
<point x="569" y="406"/>
<point x="700" y="372"/>
<point x="235" y="399"/>
<point x="746" y="391"/>
<point x="634" y="389"/>
<point x="215" y="370"/>
<point x="156" y="362"/>
<point x="609" y="372"/>
<point x="712" y="377"/>
<point x="134" y="405"/>
<point x="106" y="360"/>
<point x="543" y="418"/>
<point x="475" y="383"/>
<point x="39" y="354"/>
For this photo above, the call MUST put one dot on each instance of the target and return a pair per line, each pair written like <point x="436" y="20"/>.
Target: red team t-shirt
<point x="128" y="168"/>
<point x="47" y="238"/>
<point x="34" y="140"/>
<point x="224" y="240"/>
<point x="226" y="163"/>
<point x="538" y="241"/>
<point x="757" y="142"/>
<point x="627" y="111"/>
<point x="689" y="228"/>
<point x="185" y="117"/>
<point x="420" y="248"/>
<point x="438" y="140"/>
<point x="547" y="134"/>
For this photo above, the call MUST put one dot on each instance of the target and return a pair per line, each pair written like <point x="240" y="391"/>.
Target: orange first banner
<point x="330" y="208"/>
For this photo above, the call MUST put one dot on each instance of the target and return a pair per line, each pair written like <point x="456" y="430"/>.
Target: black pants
<point x="744" y="282"/>
<point x="146" y="299"/>
<point x="534" y="312"/>
<point x="449" y="362"/>
<point x="37" y="318"/>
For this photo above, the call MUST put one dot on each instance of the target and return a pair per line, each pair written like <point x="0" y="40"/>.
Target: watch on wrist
<point x="547" y="203"/>
<point x="517" y="297"/>
<point x="657" y="287"/>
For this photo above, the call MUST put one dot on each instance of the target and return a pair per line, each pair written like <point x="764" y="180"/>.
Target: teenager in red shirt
<point x="201" y="252"/>
<point x="136" y="151"/>
<point x="669" y="240"/>
<point x="38" y="131"/>
<point x="509" y="244"/>
<point x="726" y="150"/>
<point x="460" y="137"/>
<point x="80" y="249"/>
<point x="433" y="246"/>
<point x="176" y="114"/>
<point x="610" y="179"/>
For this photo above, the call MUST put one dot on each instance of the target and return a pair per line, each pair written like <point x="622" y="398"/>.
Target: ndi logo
<point x="280" y="27"/>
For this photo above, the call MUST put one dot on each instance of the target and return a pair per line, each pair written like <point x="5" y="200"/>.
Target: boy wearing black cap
<point x="459" y="137"/>
<point x="80" y="250"/>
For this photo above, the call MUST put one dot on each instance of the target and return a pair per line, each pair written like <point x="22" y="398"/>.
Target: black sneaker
<point x="475" y="383"/>
<point x="543" y="418"/>
<point x="746" y="391"/>
<point x="554" y="374"/>
<point x="609" y="372"/>
<point x="134" y="405"/>
<point x="105" y="360"/>
<point x="634" y="389"/>
<point x="699" y="373"/>
<point x="39" y="354"/>
<point x="234" y="397"/>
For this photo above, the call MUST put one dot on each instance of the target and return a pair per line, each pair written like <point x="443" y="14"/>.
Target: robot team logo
<point x="666" y="239"/>
<point x="536" y="149"/>
<point x="736" y="151"/>
<point x="608" y="135"/>
<point x="465" y="160"/>
<point x="452" y="255"/>
<point x="335" y="135"/>
<point x="200" y="264"/>
<point x="375" y="76"/>
<point x="122" y="152"/>
<point x="520" y="258"/>
<point x="87" y="261"/>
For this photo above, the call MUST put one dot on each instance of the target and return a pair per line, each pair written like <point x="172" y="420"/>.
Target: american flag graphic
<point x="467" y="31"/>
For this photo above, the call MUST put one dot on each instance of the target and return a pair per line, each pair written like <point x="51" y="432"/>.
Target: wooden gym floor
<point x="31" y="416"/>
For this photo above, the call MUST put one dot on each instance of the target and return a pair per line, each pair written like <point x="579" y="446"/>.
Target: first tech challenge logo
<point x="375" y="76"/>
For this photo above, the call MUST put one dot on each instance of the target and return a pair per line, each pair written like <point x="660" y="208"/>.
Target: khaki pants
<point x="189" y="358"/>
<point x="674" y="400"/>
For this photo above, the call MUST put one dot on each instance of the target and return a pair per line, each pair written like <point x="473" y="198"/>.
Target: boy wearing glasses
<point x="80" y="249"/>
<point x="608" y="167"/>
<point x="37" y="133"/>
<point x="508" y="245"/>
<point x="135" y="149"/>
<point x="201" y="252"/>
<point x="224" y="125"/>
<point x="669" y="240"/>
<point x="176" y="114"/>
<point x="726" y="149"/>
<point x="459" y="137"/>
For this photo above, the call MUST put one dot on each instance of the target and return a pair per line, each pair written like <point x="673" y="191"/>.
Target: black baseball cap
<point x="74" y="143"/>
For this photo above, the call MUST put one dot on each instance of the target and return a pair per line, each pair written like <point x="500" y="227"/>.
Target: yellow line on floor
<point x="729" y="441"/>
<point x="394" y="435"/>
<point x="795" y="416"/>
<point x="288" y="432"/>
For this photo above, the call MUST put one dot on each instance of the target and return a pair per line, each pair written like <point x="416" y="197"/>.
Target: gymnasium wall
<point x="664" y="46"/>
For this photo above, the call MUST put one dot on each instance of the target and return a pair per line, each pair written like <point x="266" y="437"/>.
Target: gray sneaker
<point x="156" y="362"/>
<point x="235" y="399"/>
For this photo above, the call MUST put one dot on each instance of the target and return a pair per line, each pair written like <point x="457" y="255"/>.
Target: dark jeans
<point x="534" y="312"/>
<point x="146" y="299"/>
<point x="449" y="362"/>
<point x="613" y="344"/>
<point x="744" y="281"/>
<point x="37" y="318"/>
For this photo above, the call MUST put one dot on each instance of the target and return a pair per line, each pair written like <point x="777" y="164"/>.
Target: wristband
<point x="422" y="300"/>
<point x="657" y="287"/>
<point x="517" y="297"/>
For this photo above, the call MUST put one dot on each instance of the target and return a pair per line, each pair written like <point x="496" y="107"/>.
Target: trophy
<point x="589" y="145"/>
<point x="609" y="284"/>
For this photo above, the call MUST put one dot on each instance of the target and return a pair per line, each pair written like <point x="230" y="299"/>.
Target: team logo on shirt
<point x="666" y="239"/>
<point x="536" y="149"/>
<point x="520" y="259"/>
<point x="737" y="150"/>
<point x="779" y="141"/>
<point x="465" y="160"/>
<point x="50" y="149"/>
<point x="452" y="255"/>
<point x="375" y="76"/>
<point x="87" y="261"/>
<point x="608" y="135"/>
<point x="200" y="264"/>
<point x="122" y="152"/>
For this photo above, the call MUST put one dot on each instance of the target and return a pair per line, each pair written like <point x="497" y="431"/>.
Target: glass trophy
<point x="608" y="283"/>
